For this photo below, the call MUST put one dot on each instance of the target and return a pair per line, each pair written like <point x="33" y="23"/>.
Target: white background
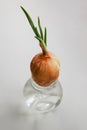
<point x="66" y="22"/>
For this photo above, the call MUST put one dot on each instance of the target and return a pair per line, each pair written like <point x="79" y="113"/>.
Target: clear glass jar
<point x="42" y="99"/>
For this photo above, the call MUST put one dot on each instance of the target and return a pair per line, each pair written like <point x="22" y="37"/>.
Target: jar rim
<point x="38" y="87"/>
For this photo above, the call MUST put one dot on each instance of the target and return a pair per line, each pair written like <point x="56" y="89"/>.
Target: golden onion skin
<point x="45" y="68"/>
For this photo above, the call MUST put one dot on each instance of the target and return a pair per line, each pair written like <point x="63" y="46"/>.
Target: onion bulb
<point x="44" y="66"/>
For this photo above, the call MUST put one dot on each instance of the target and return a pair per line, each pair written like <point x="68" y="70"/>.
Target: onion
<point x="45" y="68"/>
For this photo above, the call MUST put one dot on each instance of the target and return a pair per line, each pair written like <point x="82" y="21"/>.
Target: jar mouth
<point x="37" y="86"/>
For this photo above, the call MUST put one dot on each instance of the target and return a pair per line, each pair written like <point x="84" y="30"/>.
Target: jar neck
<point x="41" y="88"/>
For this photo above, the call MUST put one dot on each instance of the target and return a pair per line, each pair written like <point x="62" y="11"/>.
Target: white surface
<point x="66" y="21"/>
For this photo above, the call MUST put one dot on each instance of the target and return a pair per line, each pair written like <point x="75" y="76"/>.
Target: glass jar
<point x="41" y="99"/>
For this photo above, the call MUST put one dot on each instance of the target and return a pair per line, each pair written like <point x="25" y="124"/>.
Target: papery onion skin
<point x="45" y="69"/>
